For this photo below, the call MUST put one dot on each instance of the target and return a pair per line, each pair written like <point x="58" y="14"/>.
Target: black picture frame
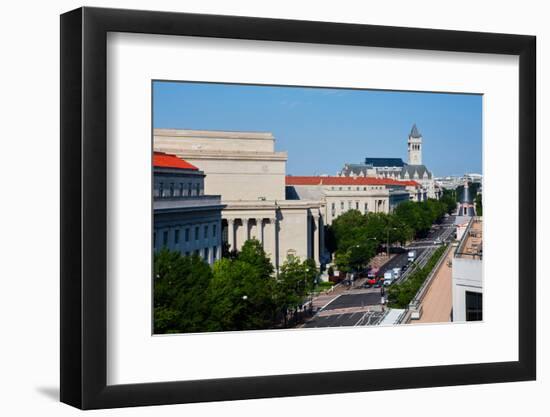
<point x="84" y="207"/>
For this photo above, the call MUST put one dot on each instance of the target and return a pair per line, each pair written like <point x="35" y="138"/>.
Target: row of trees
<point x="400" y="295"/>
<point x="237" y="293"/>
<point x="354" y="238"/>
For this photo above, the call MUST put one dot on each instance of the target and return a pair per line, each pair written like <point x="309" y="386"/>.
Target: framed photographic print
<point x="258" y="207"/>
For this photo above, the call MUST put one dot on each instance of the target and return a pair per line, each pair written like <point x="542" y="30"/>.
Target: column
<point x="246" y="224"/>
<point x="275" y="251"/>
<point x="260" y="231"/>
<point x="231" y="234"/>
<point x="321" y="237"/>
<point x="316" y="245"/>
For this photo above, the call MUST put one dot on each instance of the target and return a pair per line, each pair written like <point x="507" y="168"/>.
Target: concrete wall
<point x="294" y="234"/>
<point x="212" y="140"/>
<point x="238" y="178"/>
<point x="238" y="165"/>
<point x="467" y="276"/>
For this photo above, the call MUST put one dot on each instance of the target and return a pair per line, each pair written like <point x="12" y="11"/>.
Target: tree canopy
<point x="354" y="237"/>
<point x="180" y="290"/>
<point x="237" y="293"/>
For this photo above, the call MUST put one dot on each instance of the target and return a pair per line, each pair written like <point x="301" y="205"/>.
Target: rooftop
<point x="230" y="134"/>
<point x="471" y="245"/>
<point x="384" y="162"/>
<point x="314" y="180"/>
<point x="165" y="160"/>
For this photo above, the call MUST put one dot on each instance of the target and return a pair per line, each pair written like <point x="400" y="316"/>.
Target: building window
<point x="333" y="206"/>
<point x="198" y="189"/>
<point x="349" y="205"/>
<point x="197" y="230"/>
<point x="165" y="238"/>
<point x="181" y="189"/>
<point x="206" y="232"/>
<point x="366" y="207"/>
<point x="177" y="236"/>
<point x="357" y="205"/>
<point x="161" y="190"/>
<point x="171" y="189"/>
<point x="474" y="306"/>
<point x="214" y="250"/>
<point x="206" y="254"/>
<point x="341" y="205"/>
<point x="189" y="190"/>
<point x="187" y="235"/>
<point x="214" y="230"/>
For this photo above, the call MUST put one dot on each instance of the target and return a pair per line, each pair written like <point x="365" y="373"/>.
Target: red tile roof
<point x="304" y="180"/>
<point x="166" y="160"/>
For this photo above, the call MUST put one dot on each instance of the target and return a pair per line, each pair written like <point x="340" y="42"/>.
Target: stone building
<point x="340" y="194"/>
<point x="185" y="219"/>
<point x="245" y="169"/>
<point x="467" y="279"/>
<point x="396" y="168"/>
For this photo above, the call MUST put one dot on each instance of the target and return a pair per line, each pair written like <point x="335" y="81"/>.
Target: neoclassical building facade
<point x="245" y="169"/>
<point x="185" y="218"/>
<point x="341" y="194"/>
<point x="396" y="168"/>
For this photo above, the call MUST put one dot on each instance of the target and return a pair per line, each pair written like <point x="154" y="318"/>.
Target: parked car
<point x="371" y="281"/>
<point x="388" y="278"/>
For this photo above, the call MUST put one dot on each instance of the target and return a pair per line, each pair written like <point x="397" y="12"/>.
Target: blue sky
<point x="321" y="129"/>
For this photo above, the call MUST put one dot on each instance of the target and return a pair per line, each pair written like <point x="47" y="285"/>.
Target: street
<point x="358" y="306"/>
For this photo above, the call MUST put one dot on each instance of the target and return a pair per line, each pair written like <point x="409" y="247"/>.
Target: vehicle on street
<point x="396" y="272"/>
<point x="371" y="281"/>
<point x="388" y="278"/>
<point x="437" y="241"/>
<point x="411" y="256"/>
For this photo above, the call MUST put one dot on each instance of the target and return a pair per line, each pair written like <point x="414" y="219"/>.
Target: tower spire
<point x="414" y="145"/>
<point x="414" y="132"/>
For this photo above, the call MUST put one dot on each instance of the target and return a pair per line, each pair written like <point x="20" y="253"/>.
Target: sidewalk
<point x="438" y="303"/>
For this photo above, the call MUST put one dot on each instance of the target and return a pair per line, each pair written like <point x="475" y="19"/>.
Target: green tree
<point x="349" y="229"/>
<point x="253" y="254"/>
<point x="449" y="199"/>
<point x="479" y="205"/>
<point x="359" y="256"/>
<point x="240" y="298"/>
<point x="296" y="280"/>
<point x="410" y="214"/>
<point x="179" y="292"/>
<point x="342" y="261"/>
